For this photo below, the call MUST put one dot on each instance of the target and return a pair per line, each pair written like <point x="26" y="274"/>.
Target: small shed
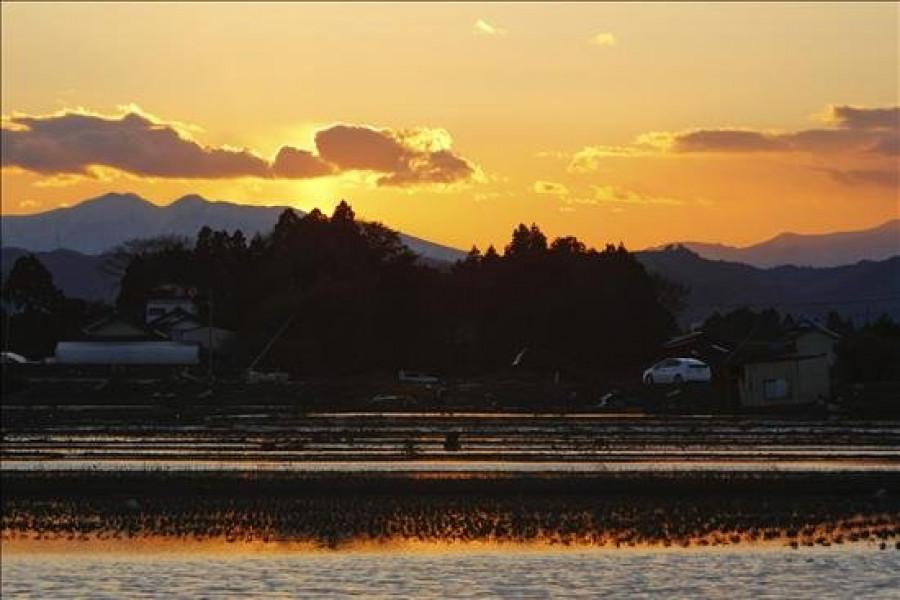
<point x="117" y="328"/>
<point x="784" y="381"/>
<point x="175" y="323"/>
<point x="126" y="353"/>
<point x="160" y="307"/>
<point x="810" y="337"/>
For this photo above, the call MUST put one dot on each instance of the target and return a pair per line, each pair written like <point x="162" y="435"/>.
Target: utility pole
<point x="272" y="341"/>
<point x="210" y="352"/>
<point x="7" y="314"/>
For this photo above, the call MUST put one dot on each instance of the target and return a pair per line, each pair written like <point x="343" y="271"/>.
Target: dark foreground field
<point x="340" y="510"/>
<point x="275" y="476"/>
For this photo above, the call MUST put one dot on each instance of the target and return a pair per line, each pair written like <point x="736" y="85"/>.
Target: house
<point x="160" y="307"/>
<point x="117" y="328"/>
<point x="795" y="371"/>
<point x="174" y="323"/>
<point x="173" y="313"/>
<point x="117" y="340"/>
<point x="811" y="338"/>
<point x="760" y="374"/>
<point x="793" y="379"/>
<point x="172" y="334"/>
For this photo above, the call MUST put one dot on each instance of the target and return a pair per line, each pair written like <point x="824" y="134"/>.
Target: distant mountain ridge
<point x="812" y="250"/>
<point x="98" y="224"/>
<point x="861" y="291"/>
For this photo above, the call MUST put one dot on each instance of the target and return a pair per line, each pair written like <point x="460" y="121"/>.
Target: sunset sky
<point x="641" y="123"/>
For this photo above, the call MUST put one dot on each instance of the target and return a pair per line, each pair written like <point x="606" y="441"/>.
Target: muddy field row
<point x="334" y="519"/>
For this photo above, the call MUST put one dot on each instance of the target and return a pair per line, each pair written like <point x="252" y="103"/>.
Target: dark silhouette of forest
<point x="355" y="298"/>
<point x="35" y="313"/>
<point x="342" y="295"/>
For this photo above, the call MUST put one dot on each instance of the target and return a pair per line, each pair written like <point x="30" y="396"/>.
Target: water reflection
<point x="743" y="573"/>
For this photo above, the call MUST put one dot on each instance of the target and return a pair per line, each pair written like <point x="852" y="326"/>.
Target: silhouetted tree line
<point x="35" y="313"/>
<point x="355" y="297"/>
<point x="744" y="324"/>
<point x="867" y="353"/>
<point x="561" y="303"/>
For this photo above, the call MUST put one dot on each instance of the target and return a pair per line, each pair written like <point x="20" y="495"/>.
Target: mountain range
<point x="860" y="291"/>
<point x="811" y="250"/>
<point x="70" y="242"/>
<point x="99" y="224"/>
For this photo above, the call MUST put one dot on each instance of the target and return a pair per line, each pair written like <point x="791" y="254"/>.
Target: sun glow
<point x="528" y="98"/>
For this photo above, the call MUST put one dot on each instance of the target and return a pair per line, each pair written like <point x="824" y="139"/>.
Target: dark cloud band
<point x="72" y="143"/>
<point x="863" y="130"/>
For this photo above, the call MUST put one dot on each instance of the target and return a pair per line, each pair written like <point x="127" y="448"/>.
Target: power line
<point x="795" y="303"/>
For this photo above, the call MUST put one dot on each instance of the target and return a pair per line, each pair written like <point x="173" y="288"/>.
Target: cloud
<point x="858" y="130"/>
<point x="647" y="144"/>
<point x="73" y="142"/>
<point x="292" y="163"/>
<point x="726" y="140"/>
<point x="588" y="159"/>
<point x="604" y="39"/>
<point x="617" y="195"/>
<point x="483" y="28"/>
<point x="406" y="157"/>
<point x="813" y="141"/>
<point x="887" y="146"/>
<point x="352" y="147"/>
<point x="550" y="188"/>
<point x="889" y="178"/>
<point x="80" y="144"/>
<point x="855" y="117"/>
<point x="857" y="134"/>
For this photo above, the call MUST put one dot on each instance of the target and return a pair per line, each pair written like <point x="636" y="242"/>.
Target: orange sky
<point x="642" y="123"/>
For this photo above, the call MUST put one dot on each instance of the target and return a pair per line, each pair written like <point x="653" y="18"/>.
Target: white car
<point x="11" y="358"/>
<point x="677" y="370"/>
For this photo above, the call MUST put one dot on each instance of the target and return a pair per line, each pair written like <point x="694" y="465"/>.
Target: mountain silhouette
<point x="70" y="242"/>
<point x="861" y="291"/>
<point x="811" y="250"/>
<point x="99" y="224"/>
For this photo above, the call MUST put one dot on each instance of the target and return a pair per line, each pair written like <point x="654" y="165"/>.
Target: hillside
<point x="98" y="224"/>
<point x="862" y="290"/>
<point x="77" y="275"/>
<point x="821" y="250"/>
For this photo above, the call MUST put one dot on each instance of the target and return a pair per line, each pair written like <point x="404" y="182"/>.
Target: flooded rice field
<point x="734" y="573"/>
<point x="277" y="503"/>
<point x="280" y="439"/>
<point x="375" y="503"/>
